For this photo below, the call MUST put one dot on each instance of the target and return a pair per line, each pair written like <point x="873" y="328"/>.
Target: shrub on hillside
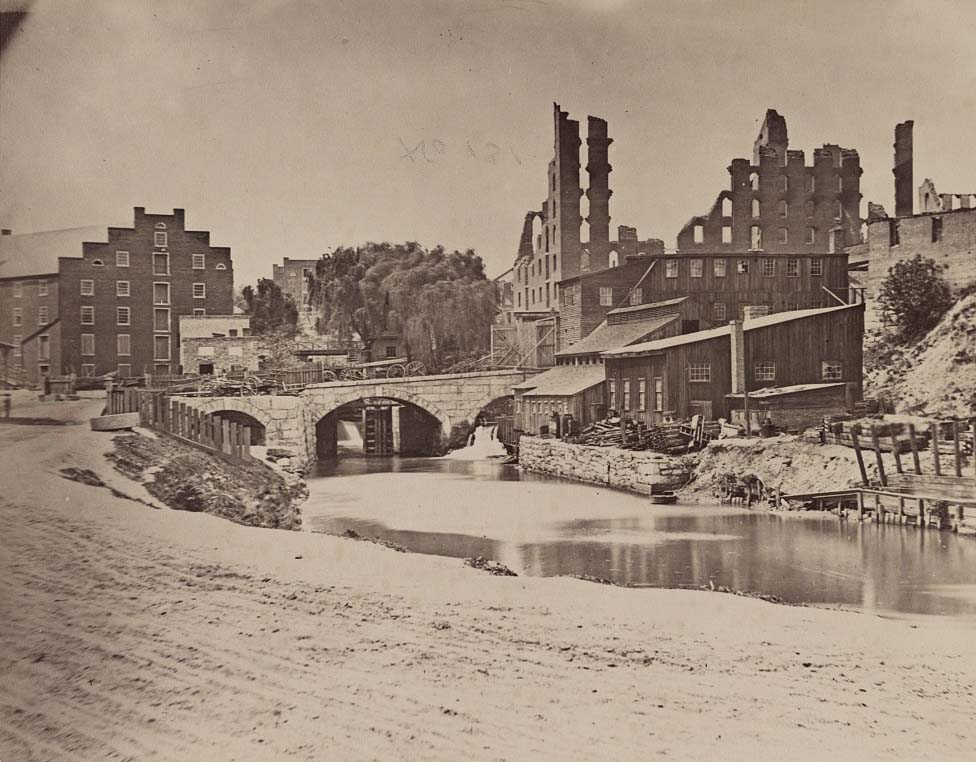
<point x="914" y="297"/>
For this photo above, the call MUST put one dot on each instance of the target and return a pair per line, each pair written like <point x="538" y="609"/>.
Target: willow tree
<point x="440" y="302"/>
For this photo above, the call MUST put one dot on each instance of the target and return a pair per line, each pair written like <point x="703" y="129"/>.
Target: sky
<point x="290" y="127"/>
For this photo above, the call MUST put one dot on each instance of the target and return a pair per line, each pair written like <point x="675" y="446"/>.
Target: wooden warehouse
<point x="695" y="373"/>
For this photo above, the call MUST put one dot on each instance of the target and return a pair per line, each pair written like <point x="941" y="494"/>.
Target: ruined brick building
<point x="944" y="229"/>
<point x="563" y="239"/>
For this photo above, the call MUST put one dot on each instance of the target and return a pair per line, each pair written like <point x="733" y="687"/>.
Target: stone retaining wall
<point x="626" y="469"/>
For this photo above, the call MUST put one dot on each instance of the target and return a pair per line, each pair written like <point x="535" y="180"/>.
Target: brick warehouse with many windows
<point x="93" y="301"/>
<point x="120" y="301"/>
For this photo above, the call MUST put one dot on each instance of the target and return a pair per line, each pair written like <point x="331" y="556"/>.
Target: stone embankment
<point x="626" y="469"/>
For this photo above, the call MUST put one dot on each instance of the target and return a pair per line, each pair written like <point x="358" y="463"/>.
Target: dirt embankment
<point x="936" y="375"/>
<point x="787" y="462"/>
<point x="191" y="480"/>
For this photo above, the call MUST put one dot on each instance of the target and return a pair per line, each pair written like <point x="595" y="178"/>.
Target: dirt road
<point x="132" y="633"/>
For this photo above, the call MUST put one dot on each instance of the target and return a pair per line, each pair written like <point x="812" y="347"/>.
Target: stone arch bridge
<point x="289" y="421"/>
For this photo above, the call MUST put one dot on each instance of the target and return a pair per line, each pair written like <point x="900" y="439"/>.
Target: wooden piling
<point x="955" y="448"/>
<point x="858" y="454"/>
<point x="901" y="510"/>
<point x="914" y="444"/>
<point x="860" y="505"/>
<point x="896" y="451"/>
<point x="920" y="522"/>
<point x="876" y="443"/>
<point x="935" y="448"/>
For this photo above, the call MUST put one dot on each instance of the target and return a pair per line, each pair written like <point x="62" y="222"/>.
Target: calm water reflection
<point x="544" y="527"/>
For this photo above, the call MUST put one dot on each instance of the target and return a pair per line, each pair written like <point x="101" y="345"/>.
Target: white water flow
<point x="348" y="435"/>
<point x="483" y="443"/>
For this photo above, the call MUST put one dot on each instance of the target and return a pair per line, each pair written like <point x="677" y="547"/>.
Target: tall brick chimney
<point x="904" y="182"/>
<point x="599" y="169"/>
<point x="738" y="347"/>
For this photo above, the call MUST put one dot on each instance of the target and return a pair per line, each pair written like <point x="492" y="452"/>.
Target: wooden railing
<point x="220" y="436"/>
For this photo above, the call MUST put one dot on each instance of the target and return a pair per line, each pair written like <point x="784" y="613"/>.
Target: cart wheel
<point x="415" y="368"/>
<point x="396" y="371"/>
<point x="329" y="376"/>
<point x="353" y="374"/>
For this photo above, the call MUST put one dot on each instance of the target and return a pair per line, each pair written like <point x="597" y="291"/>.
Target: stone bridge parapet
<point x="289" y="421"/>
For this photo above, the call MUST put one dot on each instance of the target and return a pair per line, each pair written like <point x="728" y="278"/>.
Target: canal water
<point x="542" y="526"/>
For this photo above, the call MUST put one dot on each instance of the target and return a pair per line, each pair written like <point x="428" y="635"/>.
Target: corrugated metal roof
<point x="650" y="347"/>
<point x="779" y="391"/>
<point x="606" y="336"/>
<point x="37" y="253"/>
<point x="565" y="380"/>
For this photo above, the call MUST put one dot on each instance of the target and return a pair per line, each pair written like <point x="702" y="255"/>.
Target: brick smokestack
<point x="738" y="347"/>
<point x="599" y="169"/>
<point x="904" y="182"/>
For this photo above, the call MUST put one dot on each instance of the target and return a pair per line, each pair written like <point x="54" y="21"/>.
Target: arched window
<point x="160" y="226"/>
<point x="614" y="258"/>
<point x="726" y="207"/>
<point x="784" y="209"/>
<point x="97" y="263"/>
<point x="221" y="266"/>
<point x="754" y="180"/>
<point x="755" y="207"/>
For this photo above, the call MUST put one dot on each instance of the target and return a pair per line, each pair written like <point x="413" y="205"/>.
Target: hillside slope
<point x="936" y="376"/>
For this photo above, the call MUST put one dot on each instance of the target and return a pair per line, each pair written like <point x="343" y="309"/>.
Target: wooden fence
<point x="220" y="436"/>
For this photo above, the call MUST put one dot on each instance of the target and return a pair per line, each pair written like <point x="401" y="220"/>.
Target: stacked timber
<point x="628" y="434"/>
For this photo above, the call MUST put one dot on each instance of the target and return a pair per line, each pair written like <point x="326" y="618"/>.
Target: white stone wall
<point x="611" y="466"/>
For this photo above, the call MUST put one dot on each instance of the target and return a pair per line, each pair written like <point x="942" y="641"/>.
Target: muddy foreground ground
<point x="134" y="633"/>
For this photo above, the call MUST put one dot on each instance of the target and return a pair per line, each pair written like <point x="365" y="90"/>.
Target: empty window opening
<point x="756" y="238"/>
<point x="699" y="233"/>
<point x="726" y="234"/>
<point x="831" y="241"/>
<point x="755" y="207"/>
<point x="754" y="180"/>
<point x="936" y="229"/>
<point x="742" y="266"/>
<point x="811" y="235"/>
<point x="784" y="209"/>
<point x="785" y="183"/>
<point x="726" y="207"/>
<point x="784" y="235"/>
<point x="614" y="258"/>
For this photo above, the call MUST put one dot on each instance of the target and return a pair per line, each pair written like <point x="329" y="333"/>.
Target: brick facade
<point x="777" y="204"/>
<point x="293" y="277"/>
<point x="28" y="307"/>
<point x="137" y="285"/>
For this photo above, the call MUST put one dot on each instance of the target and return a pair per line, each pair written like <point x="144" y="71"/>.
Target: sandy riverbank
<point x="134" y="633"/>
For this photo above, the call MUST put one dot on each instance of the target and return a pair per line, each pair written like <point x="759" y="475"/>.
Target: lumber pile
<point x="628" y="434"/>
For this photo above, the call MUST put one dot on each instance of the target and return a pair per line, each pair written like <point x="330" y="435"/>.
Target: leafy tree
<point x="441" y="302"/>
<point x="914" y="296"/>
<point x="270" y="309"/>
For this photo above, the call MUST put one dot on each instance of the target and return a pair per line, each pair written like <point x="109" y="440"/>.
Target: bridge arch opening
<point x="255" y="428"/>
<point x="380" y="426"/>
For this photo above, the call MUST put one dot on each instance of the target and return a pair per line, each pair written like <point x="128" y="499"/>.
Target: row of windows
<point x="657" y="390"/>
<point x="124" y="370"/>
<point x="756" y="236"/>
<point x="811" y="183"/>
<point x="532" y="294"/>
<point x="43" y="316"/>
<point x="701" y="372"/>
<point x="523" y="273"/>
<point x="160" y="290"/>
<point x="160" y="261"/>
<point x="696" y="267"/>
<point x="42" y="288"/>
<point x="123" y="316"/>
<point x="123" y="346"/>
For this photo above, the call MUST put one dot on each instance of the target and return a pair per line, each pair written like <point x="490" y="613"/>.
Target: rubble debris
<point x="352" y="534"/>
<point x="492" y="567"/>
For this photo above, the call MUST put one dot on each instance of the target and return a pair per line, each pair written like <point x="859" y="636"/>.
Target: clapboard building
<point x="695" y="373"/>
